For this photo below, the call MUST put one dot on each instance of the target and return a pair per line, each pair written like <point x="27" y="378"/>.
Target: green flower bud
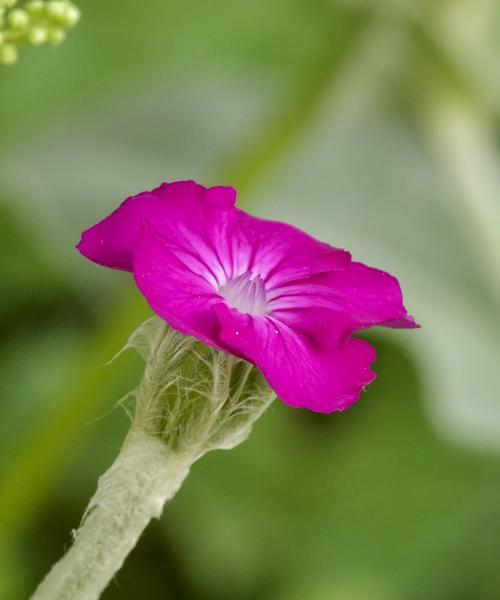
<point x="18" y="19"/>
<point x="72" y="15"/>
<point x="56" y="9"/>
<point x="55" y="36"/>
<point x="35" y="8"/>
<point x="37" y="36"/>
<point x="8" y="54"/>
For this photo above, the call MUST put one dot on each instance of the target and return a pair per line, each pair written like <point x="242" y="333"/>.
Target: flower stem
<point x="134" y="490"/>
<point x="462" y="136"/>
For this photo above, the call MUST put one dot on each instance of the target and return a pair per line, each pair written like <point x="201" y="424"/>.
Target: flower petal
<point x="320" y="326"/>
<point x="283" y="253"/>
<point x="367" y="296"/>
<point x="205" y="221"/>
<point x="111" y="242"/>
<point x="178" y="294"/>
<point x="302" y="374"/>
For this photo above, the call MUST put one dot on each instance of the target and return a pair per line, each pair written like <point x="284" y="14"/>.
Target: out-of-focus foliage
<point x="372" y="124"/>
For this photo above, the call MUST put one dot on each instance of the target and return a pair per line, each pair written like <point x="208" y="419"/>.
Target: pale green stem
<point x="463" y="139"/>
<point x="134" y="490"/>
<point x="456" y="114"/>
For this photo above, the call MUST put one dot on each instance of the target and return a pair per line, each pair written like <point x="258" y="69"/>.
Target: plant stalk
<point x="144" y="476"/>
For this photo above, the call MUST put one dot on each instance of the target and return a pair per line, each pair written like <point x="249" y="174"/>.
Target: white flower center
<point x="247" y="293"/>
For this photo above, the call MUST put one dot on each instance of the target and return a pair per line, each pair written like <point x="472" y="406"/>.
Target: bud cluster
<point x="37" y="23"/>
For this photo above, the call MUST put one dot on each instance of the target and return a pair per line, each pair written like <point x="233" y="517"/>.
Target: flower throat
<point x="246" y="293"/>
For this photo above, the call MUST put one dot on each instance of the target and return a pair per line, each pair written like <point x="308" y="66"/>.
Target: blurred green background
<point x="374" y="125"/>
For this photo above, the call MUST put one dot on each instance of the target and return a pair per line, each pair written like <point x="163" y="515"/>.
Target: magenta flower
<point x="261" y="290"/>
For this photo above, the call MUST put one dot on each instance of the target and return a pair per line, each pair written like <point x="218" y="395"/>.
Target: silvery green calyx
<point x="191" y="399"/>
<point x="34" y="23"/>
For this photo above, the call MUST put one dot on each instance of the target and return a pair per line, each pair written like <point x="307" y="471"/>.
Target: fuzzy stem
<point x="144" y="476"/>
